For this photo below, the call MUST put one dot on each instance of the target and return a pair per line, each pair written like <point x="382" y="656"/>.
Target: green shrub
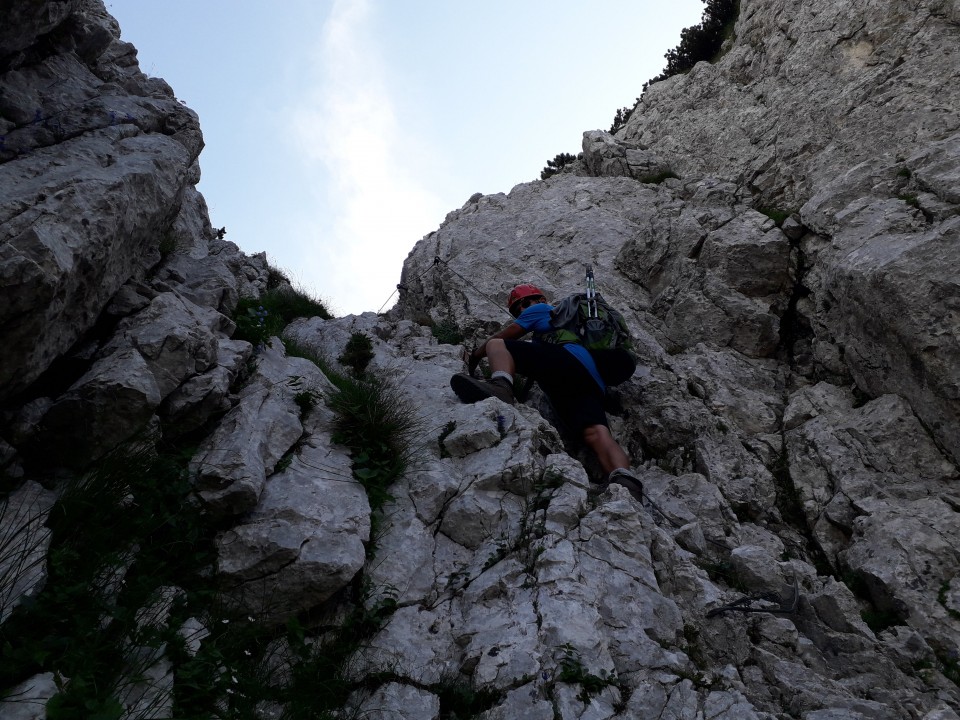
<point x="910" y="199"/>
<point x="129" y="528"/>
<point x="447" y="332"/>
<point x="556" y="165"/>
<point x="621" y="117"/>
<point x="703" y="41"/>
<point x="357" y="354"/>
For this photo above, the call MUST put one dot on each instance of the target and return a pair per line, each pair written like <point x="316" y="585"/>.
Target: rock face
<point x="807" y="91"/>
<point x="795" y="419"/>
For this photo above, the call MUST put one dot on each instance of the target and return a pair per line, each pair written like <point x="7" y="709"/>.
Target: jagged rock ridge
<point x="795" y="419"/>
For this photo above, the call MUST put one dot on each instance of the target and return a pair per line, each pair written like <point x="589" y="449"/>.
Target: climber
<point x="567" y="373"/>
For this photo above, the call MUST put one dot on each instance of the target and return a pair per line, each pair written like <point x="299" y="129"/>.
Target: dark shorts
<point x="574" y="394"/>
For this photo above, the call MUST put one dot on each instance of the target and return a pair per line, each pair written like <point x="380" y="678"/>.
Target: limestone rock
<point x="399" y="702"/>
<point x="604" y="156"/>
<point x="792" y="296"/>
<point x="28" y="700"/>
<point x="304" y="539"/>
<point x="151" y="354"/>
<point x="232" y="465"/>
<point x="92" y="175"/>
<point x="804" y="91"/>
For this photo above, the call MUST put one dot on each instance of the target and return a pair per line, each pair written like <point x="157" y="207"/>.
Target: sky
<point x="340" y="132"/>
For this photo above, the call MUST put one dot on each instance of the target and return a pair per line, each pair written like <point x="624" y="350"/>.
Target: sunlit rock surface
<point x="780" y="230"/>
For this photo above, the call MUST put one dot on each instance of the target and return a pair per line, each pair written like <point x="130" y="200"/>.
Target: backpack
<point x="605" y="334"/>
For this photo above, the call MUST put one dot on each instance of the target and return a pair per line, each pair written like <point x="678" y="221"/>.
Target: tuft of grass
<point x="259" y="319"/>
<point x="242" y="664"/>
<point x="722" y="571"/>
<point x="306" y="400"/>
<point x="168" y="244"/>
<point x="319" y="683"/>
<point x="377" y="422"/>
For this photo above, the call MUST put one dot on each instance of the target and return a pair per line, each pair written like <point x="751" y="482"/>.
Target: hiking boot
<point x="627" y="479"/>
<point x="470" y="389"/>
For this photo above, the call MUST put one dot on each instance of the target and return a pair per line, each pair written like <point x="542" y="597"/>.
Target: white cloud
<point x="376" y="207"/>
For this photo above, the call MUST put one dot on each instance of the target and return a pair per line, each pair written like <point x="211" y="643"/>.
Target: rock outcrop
<point x="805" y="92"/>
<point x="780" y="230"/>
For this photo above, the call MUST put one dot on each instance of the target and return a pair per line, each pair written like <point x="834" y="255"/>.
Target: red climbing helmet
<point x="519" y="293"/>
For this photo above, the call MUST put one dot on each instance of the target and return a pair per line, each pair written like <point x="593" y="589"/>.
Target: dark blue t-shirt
<point x="536" y="318"/>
